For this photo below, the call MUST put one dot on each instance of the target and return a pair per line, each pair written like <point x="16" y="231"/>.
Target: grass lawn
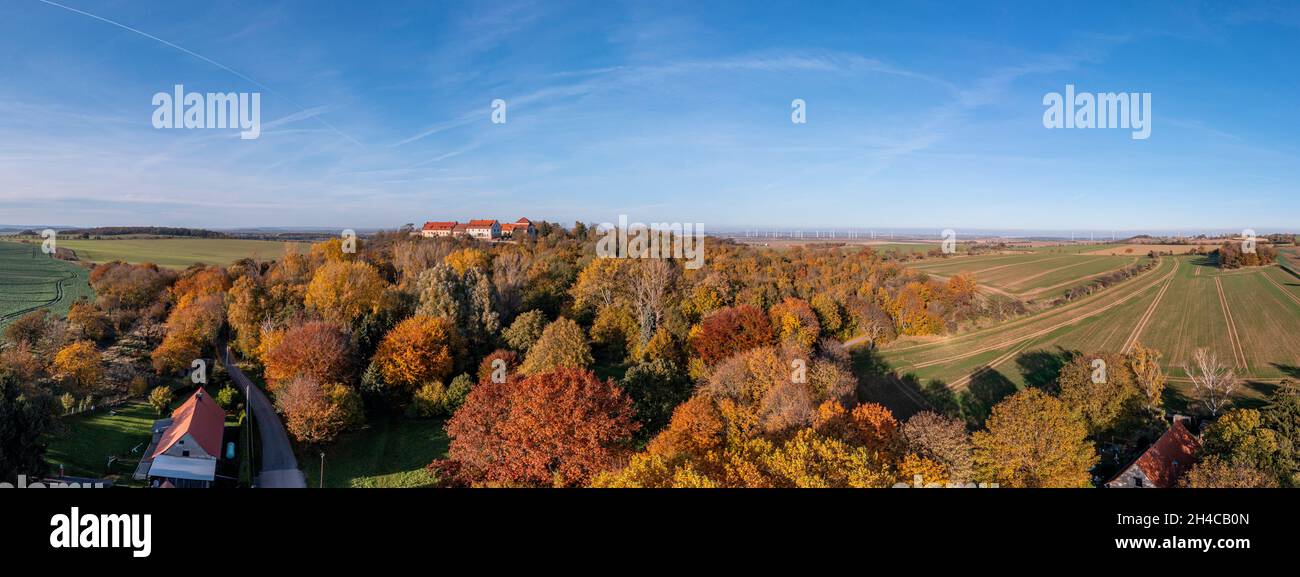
<point x="85" y="442"/>
<point x="388" y="453"/>
<point x="178" y="252"/>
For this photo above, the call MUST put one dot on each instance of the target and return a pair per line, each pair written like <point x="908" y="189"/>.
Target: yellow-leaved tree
<point x="342" y="292"/>
<point x="1034" y="440"/>
<point x="563" y="344"/>
<point x="464" y="259"/>
<point x="79" y="361"/>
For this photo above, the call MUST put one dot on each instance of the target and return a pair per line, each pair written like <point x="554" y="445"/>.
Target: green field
<point x="1029" y="275"/>
<point x="902" y="247"/>
<point x="1175" y="308"/>
<point x="178" y="252"/>
<point x="1078" y="248"/>
<point x="31" y="280"/>
<point x="388" y="453"/>
<point x="86" y="442"/>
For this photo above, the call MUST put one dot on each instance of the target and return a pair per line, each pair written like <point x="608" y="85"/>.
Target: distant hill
<point x="146" y="230"/>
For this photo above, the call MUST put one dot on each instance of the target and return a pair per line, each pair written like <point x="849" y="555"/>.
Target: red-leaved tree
<point x="551" y="429"/>
<point x="729" y="331"/>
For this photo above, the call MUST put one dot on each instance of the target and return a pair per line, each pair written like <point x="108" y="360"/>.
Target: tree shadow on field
<point x="1178" y="400"/>
<point x="880" y="383"/>
<point x="1205" y="260"/>
<point x="1257" y="398"/>
<point x="942" y="399"/>
<point x="1289" y="370"/>
<point x="1042" y="368"/>
<point x="987" y="387"/>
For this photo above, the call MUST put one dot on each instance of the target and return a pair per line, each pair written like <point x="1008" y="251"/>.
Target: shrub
<point x="161" y="399"/>
<point x="226" y="397"/>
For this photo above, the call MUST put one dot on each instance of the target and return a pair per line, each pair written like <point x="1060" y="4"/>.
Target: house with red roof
<point x="1164" y="462"/>
<point x="484" y="229"/>
<point x="432" y="229"/>
<point x="519" y="229"/>
<point x="186" y="452"/>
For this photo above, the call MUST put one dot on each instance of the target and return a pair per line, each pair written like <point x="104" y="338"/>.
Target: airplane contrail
<point x="200" y="57"/>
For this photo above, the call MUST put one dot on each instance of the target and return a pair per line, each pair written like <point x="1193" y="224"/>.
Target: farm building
<point x="484" y="229"/>
<point x="188" y="445"/>
<point x="1163" y="463"/>
<point x="519" y="229"/>
<point x="432" y="229"/>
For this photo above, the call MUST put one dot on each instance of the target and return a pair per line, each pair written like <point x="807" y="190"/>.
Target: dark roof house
<point x="1164" y="462"/>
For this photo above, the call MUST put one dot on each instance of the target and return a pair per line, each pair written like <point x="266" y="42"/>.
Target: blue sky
<point x="920" y="114"/>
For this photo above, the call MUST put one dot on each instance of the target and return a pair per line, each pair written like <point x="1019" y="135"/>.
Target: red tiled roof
<point x="202" y="419"/>
<point x="462" y="227"/>
<point x="481" y="223"/>
<point x="1171" y="456"/>
<point x="523" y="221"/>
<point x="440" y="225"/>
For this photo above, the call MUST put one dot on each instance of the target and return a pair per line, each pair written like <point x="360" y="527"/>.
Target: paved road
<point x="279" y="466"/>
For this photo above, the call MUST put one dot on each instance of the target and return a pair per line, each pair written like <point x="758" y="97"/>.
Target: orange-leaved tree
<point x="316" y="413"/>
<point x="418" y="350"/>
<point x="191" y="328"/>
<point x="316" y="349"/>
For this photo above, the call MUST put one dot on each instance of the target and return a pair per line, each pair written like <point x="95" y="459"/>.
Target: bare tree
<point x="509" y="272"/>
<point x="873" y="322"/>
<point x="651" y="287"/>
<point x="1213" y="382"/>
<point x="414" y="256"/>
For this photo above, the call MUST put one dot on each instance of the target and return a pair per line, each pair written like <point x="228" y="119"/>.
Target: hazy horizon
<point x="883" y="233"/>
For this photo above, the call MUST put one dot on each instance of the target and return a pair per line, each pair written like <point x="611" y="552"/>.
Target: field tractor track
<point x="1239" y="355"/>
<point x="58" y="297"/>
<point x="1076" y="281"/>
<point x="1024" y="280"/>
<point x="1146" y="317"/>
<point x="1082" y="303"/>
<point x="1284" y="290"/>
<point x="1047" y="330"/>
<point x="962" y="382"/>
<point x="1000" y="267"/>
